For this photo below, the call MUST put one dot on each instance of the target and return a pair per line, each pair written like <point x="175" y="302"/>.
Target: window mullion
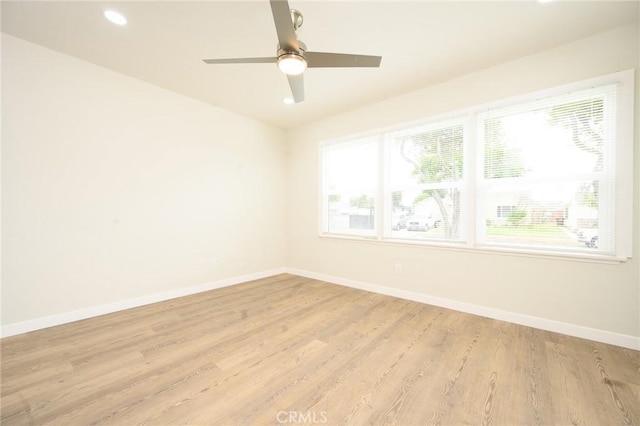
<point x="468" y="202"/>
<point x="383" y="198"/>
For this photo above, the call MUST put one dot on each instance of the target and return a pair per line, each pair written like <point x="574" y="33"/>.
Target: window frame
<point x="470" y="117"/>
<point x="484" y="185"/>
<point x="448" y="121"/>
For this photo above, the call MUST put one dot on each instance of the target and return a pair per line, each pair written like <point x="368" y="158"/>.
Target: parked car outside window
<point x="589" y="236"/>
<point x="420" y="223"/>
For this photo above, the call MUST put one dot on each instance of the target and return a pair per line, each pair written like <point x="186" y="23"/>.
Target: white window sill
<point x="463" y="247"/>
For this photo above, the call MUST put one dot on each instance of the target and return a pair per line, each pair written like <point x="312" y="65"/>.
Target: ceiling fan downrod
<point x="296" y="18"/>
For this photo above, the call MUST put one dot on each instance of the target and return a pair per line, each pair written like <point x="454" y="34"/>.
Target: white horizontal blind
<point x="425" y="170"/>
<point x="548" y="173"/>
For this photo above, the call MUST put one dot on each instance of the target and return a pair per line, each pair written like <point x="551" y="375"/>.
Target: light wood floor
<point x="291" y="350"/>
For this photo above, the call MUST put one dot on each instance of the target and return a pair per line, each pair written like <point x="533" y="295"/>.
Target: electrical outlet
<point x="213" y="262"/>
<point x="398" y="268"/>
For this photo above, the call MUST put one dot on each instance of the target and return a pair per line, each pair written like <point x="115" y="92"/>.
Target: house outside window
<point x="505" y="211"/>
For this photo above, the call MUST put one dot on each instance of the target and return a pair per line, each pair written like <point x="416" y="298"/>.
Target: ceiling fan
<point x="292" y="56"/>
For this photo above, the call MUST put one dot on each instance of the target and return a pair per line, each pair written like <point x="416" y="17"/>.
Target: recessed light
<point x="115" y="17"/>
<point x="545" y="1"/>
<point x="288" y="101"/>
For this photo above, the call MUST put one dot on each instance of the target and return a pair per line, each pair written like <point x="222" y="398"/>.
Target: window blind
<point x="553" y="159"/>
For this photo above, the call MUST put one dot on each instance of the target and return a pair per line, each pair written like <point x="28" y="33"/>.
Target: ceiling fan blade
<point x="296" y="82"/>
<point x="340" y="60"/>
<point x="284" y="25"/>
<point x="242" y="61"/>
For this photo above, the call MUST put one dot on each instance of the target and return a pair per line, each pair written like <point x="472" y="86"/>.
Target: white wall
<point x="114" y="189"/>
<point x="605" y="297"/>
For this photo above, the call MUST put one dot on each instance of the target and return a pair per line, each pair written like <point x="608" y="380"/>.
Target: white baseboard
<point x="80" y="314"/>
<point x="603" y="336"/>
<point x="625" y="341"/>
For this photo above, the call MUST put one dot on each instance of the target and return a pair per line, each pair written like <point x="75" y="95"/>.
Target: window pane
<point x="425" y="170"/>
<point x="426" y="214"/>
<point x="350" y="181"/>
<point x="549" y="173"/>
<point x="563" y="215"/>
<point x="549" y="141"/>
<point x="428" y="156"/>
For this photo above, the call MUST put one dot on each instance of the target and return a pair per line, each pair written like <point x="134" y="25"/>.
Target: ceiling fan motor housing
<point x="301" y="49"/>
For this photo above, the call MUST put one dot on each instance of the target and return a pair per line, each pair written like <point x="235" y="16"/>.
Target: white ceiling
<point x="421" y="43"/>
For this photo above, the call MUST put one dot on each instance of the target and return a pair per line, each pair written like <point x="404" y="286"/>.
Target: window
<point x="425" y="172"/>
<point x="550" y="173"/>
<point x="350" y="186"/>
<point x="553" y="160"/>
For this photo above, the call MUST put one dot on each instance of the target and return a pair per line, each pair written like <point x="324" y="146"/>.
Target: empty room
<point x="275" y="212"/>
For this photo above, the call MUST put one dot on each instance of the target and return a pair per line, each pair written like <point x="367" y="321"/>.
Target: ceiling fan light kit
<point x="292" y="57"/>
<point x="292" y="63"/>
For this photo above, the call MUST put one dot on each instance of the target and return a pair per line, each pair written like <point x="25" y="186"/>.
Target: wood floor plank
<point x="293" y="350"/>
<point x="355" y="372"/>
<point x="281" y="376"/>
